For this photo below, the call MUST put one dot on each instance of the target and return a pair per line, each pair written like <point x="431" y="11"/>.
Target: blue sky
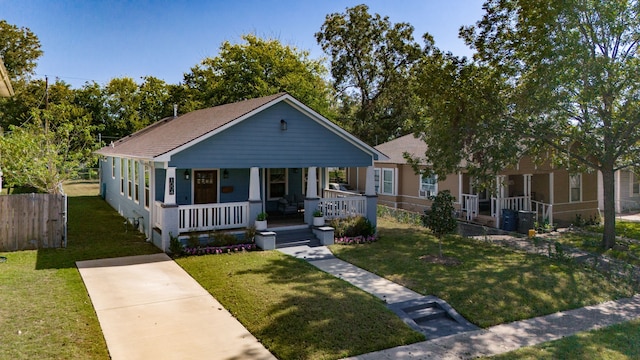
<point x="99" y="40"/>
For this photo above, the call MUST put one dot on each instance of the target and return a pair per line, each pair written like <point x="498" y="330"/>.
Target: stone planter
<point x="318" y="221"/>
<point x="261" y="225"/>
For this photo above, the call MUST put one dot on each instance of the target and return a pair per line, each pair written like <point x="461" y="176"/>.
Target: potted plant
<point x="261" y="221"/>
<point x="318" y="218"/>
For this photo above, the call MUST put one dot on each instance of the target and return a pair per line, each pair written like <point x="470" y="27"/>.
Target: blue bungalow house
<point x="218" y="168"/>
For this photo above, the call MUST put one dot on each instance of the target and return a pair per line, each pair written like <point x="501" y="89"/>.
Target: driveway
<point x="150" y="308"/>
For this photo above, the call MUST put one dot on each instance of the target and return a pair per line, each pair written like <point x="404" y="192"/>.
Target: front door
<point x="205" y="190"/>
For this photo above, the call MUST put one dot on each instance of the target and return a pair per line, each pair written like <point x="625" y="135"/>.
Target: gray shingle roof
<point x="395" y="149"/>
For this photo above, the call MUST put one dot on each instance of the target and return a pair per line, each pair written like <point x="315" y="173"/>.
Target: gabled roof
<point x="395" y="149"/>
<point x="168" y="136"/>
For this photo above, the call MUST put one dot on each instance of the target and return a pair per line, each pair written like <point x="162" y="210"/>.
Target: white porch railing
<point x="206" y="217"/>
<point x="158" y="214"/>
<point x="331" y="194"/>
<point x="516" y="203"/>
<point x="469" y="204"/>
<point x="543" y="211"/>
<point x="343" y="207"/>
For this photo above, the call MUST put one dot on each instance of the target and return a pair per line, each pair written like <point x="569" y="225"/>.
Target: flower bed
<point x="205" y="250"/>
<point x="349" y="240"/>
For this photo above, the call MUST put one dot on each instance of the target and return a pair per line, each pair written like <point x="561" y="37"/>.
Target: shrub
<point x="352" y="227"/>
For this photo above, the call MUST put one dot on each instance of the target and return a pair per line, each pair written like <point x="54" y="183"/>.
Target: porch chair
<point x="287" y="205"/>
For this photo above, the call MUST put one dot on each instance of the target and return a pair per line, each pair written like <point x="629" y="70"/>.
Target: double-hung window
<point x="428" y="185"/>
<point x="385" y="181"/>
<point x="129" y="177"/>
<point x="136" y="184"/>
<point x="113" y="168"/>
<point x="575" y="188"/>
<point x="122" y="176"/>
<point x="635" y="184"/>
<point x="277" y="183"/>
<point x="147" y="191"/>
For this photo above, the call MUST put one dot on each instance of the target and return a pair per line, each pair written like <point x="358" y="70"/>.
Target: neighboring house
<point x="5" y="91"/>
<point x="555" y="195"/>
<point x="627" y="191"/>
<point x="218" y="168"/>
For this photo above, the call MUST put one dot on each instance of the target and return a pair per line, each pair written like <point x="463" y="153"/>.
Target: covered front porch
<point x="531" y="193"/>
<point x="204" y="200"/>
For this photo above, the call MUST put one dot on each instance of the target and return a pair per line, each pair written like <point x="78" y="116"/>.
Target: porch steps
<point x="295" y="237"/>
<point x="431" y="316"/>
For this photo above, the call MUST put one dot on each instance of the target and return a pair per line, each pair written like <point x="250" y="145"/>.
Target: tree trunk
<point x="609" y="234"/>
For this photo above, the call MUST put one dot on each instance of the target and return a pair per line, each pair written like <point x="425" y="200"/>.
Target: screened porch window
<point x="277" y="180"/>
<point x="147" y="192"/>
<point x="122" y="176"/>
<point x="575" y="188"/>
<point x="428" y="185"/>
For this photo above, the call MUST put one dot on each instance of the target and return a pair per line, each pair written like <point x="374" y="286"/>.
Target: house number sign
<point x="172" y="186"/>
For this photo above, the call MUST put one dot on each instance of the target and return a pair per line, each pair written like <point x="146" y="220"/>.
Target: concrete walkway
<point x="492" y="341"/>
<point x="150" y="308"/>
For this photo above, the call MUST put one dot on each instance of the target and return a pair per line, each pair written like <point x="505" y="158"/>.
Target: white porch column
<point x="312" y="191"/>
<point x="170" y="186"/>
<point x="551" y="188"/>
<point x="370" y="185"/>
<point x="527" y="190"/>
<point x="254" y="184"/>
<point x="460" y="188"/>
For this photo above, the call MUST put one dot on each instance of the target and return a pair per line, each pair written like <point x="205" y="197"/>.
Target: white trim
<point x="425" y="193"/>
<point x="294" y="103"/>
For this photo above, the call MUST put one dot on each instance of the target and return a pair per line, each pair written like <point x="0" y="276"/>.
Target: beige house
<point x="551" y="195"/>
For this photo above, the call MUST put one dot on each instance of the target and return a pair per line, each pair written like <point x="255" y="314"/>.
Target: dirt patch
<point x="440" y="260"/>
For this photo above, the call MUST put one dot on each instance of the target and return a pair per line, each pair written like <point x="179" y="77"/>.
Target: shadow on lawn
<point x="323" y="317"/>
<point x="95" y="231"/>
<point x="492" y="285"/>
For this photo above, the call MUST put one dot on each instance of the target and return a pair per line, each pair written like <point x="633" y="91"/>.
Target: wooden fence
<point x="32" y="221"/>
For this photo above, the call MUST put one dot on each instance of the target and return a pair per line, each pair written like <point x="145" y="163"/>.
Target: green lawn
<point x="45" y="311"/>
<point x="618" y="342"/>
<point x="628" y="251"/>
<point x="295" y="310"/>
<point x="492" y="285"/>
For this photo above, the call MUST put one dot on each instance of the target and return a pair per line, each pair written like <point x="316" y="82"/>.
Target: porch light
<point x="225" y="174"/>
<point x="187" y="174"/>
<point x="283" y="125"/>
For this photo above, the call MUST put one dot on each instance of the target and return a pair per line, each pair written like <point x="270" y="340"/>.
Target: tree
<point x="258" y="67"/>
<point x="440" y="218"/>
<point x="47" y="150"/>
<point x="19" y="49"/>
<point x="370" y="61"/>
<point x="565" y="75"/>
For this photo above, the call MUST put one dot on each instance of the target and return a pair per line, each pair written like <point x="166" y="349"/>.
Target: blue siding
<point x="183" y="187"/>
<point x="259" y="142"/>
<point x="125" y="206"/>
<point x="160" y="177"/>
<point x="239" y="181"/>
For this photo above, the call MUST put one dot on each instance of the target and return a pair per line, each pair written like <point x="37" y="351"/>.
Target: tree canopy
<point x="258" y="67"/>
<point x="559" y="78"/>
<point x="370" y="62"/>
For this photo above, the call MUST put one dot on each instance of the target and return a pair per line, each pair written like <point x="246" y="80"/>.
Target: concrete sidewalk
<point x="150" y="308"/>
<point x="469" y="345"/>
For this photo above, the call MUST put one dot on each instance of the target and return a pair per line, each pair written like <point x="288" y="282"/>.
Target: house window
<point x="136" y="183"/>
<point x="122" y="176"/>
<point x="376" y="179"/>
<point x="387" y="181"/>
<point x="277" y="183"/>
<point x="635" y="184"/>
<point x="147" y="192"/>
<point x="428" y="185"/>
<point x="129" y="177"/>
<point x="575" y="188"/>
<point x="113" y="168"/>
